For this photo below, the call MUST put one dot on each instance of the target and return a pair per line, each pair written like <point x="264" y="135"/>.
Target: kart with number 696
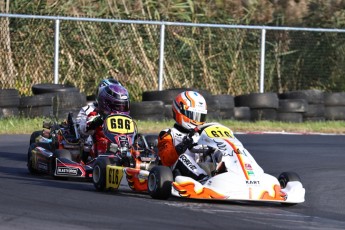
<point x="63" y="154"/>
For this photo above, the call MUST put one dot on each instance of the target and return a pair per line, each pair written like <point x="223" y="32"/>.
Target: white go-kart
<point x="233" y="174"/>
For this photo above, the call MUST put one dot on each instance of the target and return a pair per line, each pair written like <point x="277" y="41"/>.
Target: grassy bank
<point x="27" y="126"/>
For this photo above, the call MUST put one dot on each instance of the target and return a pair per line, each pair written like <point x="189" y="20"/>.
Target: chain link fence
<point x="220" y="60"/>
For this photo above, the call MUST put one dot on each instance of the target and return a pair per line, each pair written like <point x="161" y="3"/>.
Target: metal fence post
<point x="262" y="60"/>
<point x="161" y="58"/>
<point x="56" y="52"/>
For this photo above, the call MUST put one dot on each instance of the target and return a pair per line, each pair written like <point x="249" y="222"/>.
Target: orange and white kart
<point x="233" y="173"/>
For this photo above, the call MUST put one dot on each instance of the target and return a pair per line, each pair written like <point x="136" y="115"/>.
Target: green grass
<point x="27" y="126"/>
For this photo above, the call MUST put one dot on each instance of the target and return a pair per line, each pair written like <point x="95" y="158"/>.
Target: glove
<point x="94" y="122"/>
<point x="187" y="143"/>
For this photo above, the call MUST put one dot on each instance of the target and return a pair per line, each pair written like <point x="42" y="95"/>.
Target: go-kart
<point x="63" y="155"/>
<point x="233" y="173"/>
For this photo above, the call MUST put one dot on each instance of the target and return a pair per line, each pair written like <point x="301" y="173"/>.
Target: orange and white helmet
<point x="189" y="109"/>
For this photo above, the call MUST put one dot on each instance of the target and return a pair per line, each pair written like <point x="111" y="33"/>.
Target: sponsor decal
<point x="250" y="173"/>
<point x="248" y="166"/>
<point x="187" y="162"/>
<point x="66" y="171"/>
<point x="253" y="182"/>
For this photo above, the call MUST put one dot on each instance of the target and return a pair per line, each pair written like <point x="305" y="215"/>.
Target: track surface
<point x="36" y="202"/>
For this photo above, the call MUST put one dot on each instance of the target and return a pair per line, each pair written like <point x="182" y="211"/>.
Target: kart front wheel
<point x="99" y="173"/>
<point x="30" y="162"/>
<point x="286" y="177"/>
<point x="159" y="182"/>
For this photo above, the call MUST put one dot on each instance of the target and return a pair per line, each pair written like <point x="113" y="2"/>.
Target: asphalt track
<point x="37" y="202"/>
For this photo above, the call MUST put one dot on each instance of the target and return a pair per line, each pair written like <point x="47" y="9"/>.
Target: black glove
<point x="94" y="123"/>
<point x="187" y="143"/>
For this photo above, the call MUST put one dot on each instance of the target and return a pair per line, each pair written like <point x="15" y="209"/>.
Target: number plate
<point x="114" y="176"/>
<point x="120" y="124"/>
<point x="218" y="131"/>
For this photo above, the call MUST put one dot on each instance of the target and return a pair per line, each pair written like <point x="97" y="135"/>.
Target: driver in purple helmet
<point x="84" y="111"/>
<point x="112" y="99"/>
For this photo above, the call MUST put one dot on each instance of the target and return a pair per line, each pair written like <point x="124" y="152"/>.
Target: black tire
<point x="315" y="110"/>
<point x="147" y="107"/>
<point x="168" y="114"/>
<point x="311" y="96"/>
<point x="213" y="108"/>
<point x="228" y="114"/>
<point x="148" y="110"/>
<point x="335" y="99"/>
<point x="34" y="135"/>
<point x="29" y="164"/>
<point x="62" y="153"/>
<point x="335" y="113"/>
<point x="290" y="117"/>
<point x="286" y="177"/>
<point x="99" y="173"/>
<point x="168" y="95"/>
<point x="159" y="182"/>
<point x="69" y="100"/>
<point x="293" y="105"/>
<point x="263" y="114"/>
<point x="242" y="113"/>
<point x="40" y="111"/>
<point x="9" y="112"/>
<point x="52" y="88"/>
<point x="225" y="101"/>
<point x="258" y="101"/>
<point x="37" y="100"/>
<point x="9" y="98"/>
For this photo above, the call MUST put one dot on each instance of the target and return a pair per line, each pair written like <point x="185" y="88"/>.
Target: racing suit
<point x="82" y="120"/>
<point x="182" y="161"/>
<point x="94" y="127"/>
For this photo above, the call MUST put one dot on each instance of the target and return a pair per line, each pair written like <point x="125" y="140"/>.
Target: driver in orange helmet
<point x="174" y="145"/>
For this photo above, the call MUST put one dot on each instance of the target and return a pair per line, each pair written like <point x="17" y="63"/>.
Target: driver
<point x="174" y="145"/>
<point x="112" y="99"/>
<point x="84" y="111"/>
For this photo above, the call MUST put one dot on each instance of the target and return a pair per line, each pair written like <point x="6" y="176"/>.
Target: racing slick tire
<point x="99" y="173"/>
<point x="30" y="164"/>
<point x="286" y="177"/>
<point x="159" y="182"/>
<point x="34" y="135"/>
<point x="31" y="169"/>
<point x="63" y="153"/>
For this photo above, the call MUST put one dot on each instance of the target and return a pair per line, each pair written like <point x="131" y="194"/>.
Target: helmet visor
<point x="194" y="115"/>
<point x="117" y="106"/>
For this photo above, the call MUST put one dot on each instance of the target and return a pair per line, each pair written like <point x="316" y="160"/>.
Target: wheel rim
<point x="96" y="174"/>
<point x="151" y="184"/>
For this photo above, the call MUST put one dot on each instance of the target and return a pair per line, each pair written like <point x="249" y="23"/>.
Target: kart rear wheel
<point x="159" y="182"/>
<point x="99" y="173"/>
<point x="63" y="153"/>
<point x="286" y="177"/>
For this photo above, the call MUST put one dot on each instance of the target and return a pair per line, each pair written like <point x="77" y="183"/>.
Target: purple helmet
<point x="113" y="99"/>
<point x="106" y="82"/>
